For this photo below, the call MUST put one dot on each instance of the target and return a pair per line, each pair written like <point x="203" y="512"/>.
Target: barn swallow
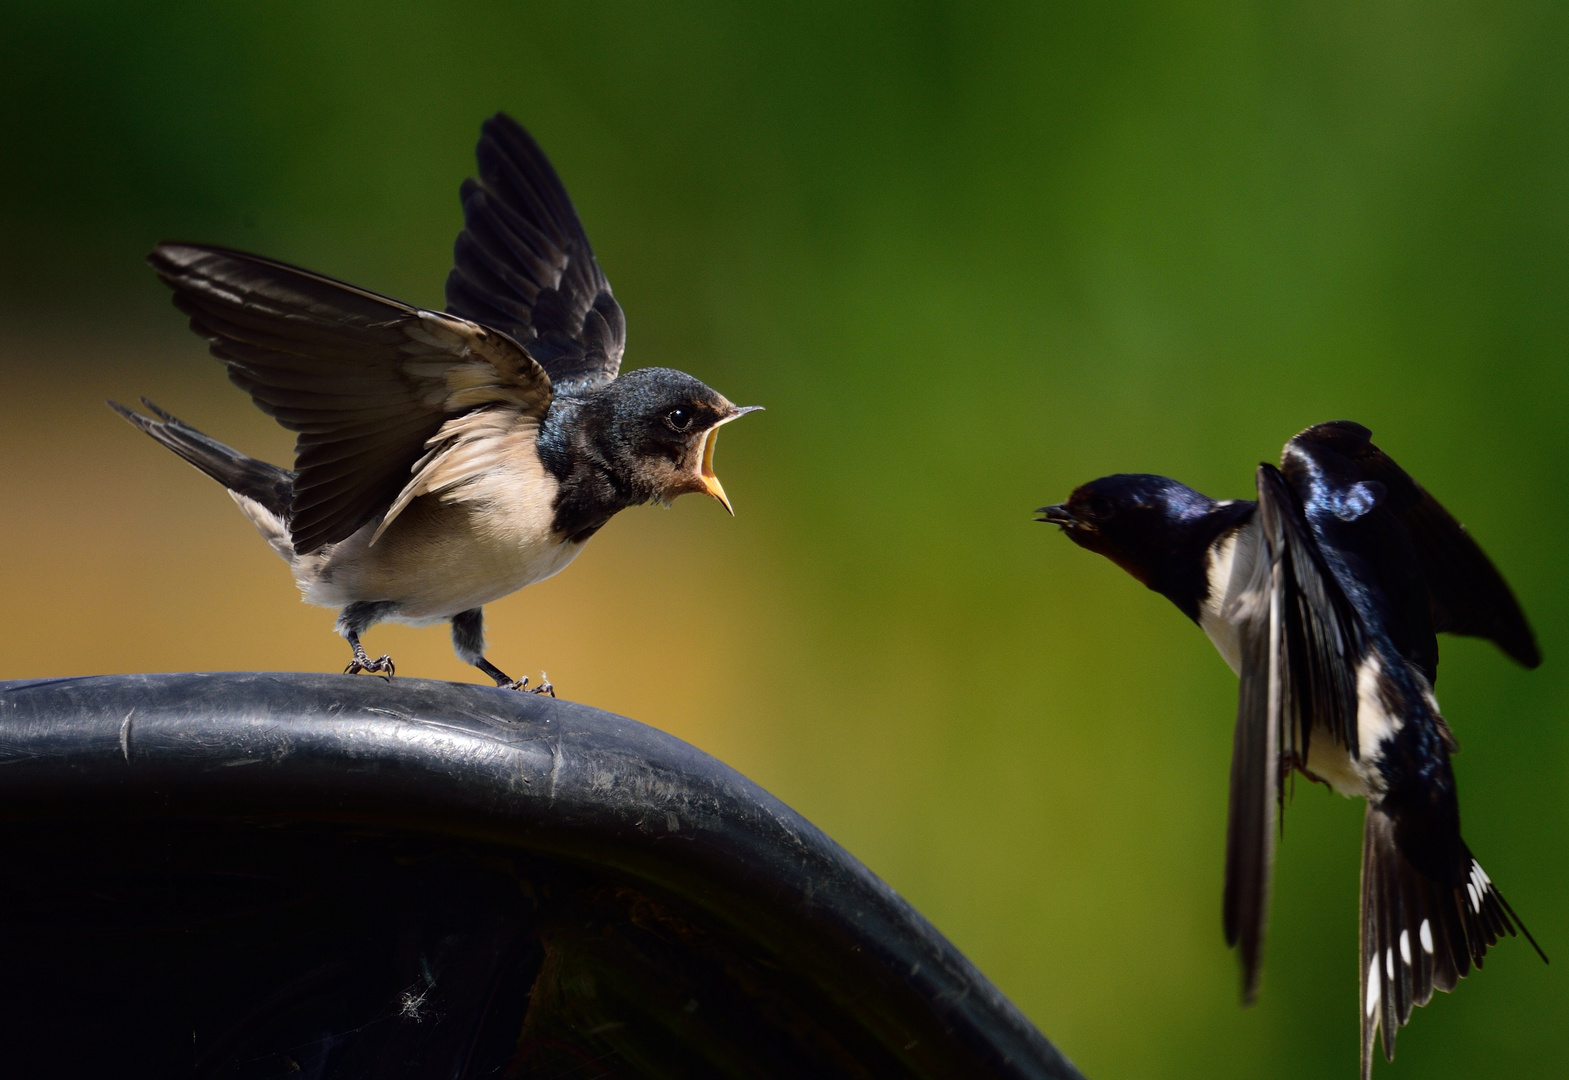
<point x="443" y="459"/>
<point x="1325" y="596"/>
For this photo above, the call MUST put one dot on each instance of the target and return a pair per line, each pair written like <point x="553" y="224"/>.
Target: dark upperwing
<point x="523" y="264"/>
<point x="1302" y="670"/>
<point x="365" y="380"/>
<point x="1468" y="595"/>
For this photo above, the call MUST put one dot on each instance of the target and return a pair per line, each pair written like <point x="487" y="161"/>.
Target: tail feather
<point x="1419" y="935"/>
<point x="268" y="485"/>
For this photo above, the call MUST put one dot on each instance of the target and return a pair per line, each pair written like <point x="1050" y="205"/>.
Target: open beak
<point x="711" y="482"/>
<point x="1057" y="515"/>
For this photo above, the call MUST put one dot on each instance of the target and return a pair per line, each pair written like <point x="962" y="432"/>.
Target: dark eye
<point x="678" y="419"/>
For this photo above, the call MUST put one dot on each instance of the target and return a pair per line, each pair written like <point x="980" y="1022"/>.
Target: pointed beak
<point x="1057" y="514"/>
<point x="711" y="482"/>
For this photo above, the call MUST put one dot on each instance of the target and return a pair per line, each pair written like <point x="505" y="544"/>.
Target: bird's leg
<point x="382" y="665"/>
<point x="507" y="683"/>
<point x="468" y="641"/>
<point x="353" y="621"/>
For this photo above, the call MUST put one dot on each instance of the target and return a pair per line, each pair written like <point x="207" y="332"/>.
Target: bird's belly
<point x="1329" y="762"/>
<point x="440" y="558"/>
<point x="1333" y="764"/>
<point x="1223" y="635"/>
<point x="477" y="574"/>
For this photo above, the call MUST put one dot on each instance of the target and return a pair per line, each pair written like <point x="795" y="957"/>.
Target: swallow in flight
<point x="443" y="459"/>
<point x="1325" y="596"/>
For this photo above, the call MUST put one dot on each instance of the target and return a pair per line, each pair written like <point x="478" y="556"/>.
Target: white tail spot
<point x="1426" y="934"/>
<point x="1405" y="947"/>
<point x="1476" y="901"/>
<point x="1372" y="986"/>
<point x="1389" y="963"/>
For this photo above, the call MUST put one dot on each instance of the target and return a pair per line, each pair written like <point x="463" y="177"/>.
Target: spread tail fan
<point x="1418" y="934"/>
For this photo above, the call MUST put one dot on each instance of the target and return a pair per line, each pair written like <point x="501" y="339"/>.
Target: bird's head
<point x="1140" y="522"/>
<point x="666" y="424"/>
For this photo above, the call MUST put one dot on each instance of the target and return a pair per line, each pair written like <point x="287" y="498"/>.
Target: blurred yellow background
<point x="968" y="256"/>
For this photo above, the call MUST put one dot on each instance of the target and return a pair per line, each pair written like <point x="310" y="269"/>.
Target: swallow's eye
<point x="678" y="419"/>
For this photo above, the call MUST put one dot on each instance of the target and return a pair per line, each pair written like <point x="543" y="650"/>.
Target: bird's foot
<point x="382" y="665"/>
<point x="507" y="682"/>
<point x="544" y="686"/>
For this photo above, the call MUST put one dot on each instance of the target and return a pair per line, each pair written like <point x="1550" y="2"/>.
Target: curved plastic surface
<point x="255" y="874"/>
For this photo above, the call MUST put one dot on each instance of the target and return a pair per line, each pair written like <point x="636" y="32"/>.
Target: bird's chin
<point x="696" y="475"/>
<point x="1089" y="540"/>
<point x="1086" y="536"/>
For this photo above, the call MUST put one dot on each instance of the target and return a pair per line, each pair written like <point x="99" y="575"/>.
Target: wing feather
<point x="524" y="264"/>
<point x="365" y="381"/>
<point x="1255" y="757"/>
<point x="1299" y="640"/>
<point x="1468" y="595"/>
<point x="463" y="449"/>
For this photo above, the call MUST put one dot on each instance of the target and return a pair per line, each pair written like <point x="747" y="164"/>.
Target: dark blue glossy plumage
<point x="1326" y="596"/>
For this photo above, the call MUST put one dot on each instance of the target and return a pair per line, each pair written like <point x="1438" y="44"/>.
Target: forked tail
<point x="1419" y="934"/>
<point x="268" y="485"/>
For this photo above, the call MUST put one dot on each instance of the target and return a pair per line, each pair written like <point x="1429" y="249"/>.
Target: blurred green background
<point x="968" y="256"/>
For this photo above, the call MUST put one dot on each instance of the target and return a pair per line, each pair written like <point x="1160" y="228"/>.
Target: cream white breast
<point x="462" y="545"/>
<point x="1228" y="569"/>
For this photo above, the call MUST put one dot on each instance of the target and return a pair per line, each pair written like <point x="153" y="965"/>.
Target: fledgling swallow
<point x="443" y="460"/>
<point x="1325" y="596"/>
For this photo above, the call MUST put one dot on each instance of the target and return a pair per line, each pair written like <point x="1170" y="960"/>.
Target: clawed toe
<point x="382" y="666"/>
<point x="506" y="682"/>
<point x="544" y="686"/>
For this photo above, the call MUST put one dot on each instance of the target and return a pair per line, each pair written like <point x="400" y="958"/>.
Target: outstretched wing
<point x="1468" y="594"/>
<point x="366" y="381"/>
<point x="523" y="263"/>
<point x="1300" y="641"/>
